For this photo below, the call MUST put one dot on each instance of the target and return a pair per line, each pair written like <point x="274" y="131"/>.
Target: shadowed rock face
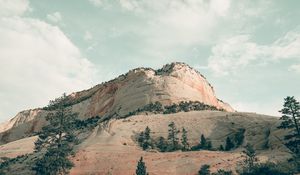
<point x="173" y="83"/>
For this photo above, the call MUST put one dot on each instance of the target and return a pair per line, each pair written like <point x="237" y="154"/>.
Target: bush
<point x="239" y="137"/>
<point x="229" y="144"/>
<point x="263" y="169"/>
<point x="204" y="170"/>
<point x="222" y="172"/>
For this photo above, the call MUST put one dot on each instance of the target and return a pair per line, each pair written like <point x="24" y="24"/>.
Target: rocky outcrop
<point x="173" y="83"/>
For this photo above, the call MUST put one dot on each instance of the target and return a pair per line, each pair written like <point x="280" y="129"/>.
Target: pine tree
<point x="184" y="140"/>
<point x="291" y="120"/>
<point x="251" y="156"/>
<point x="56" y="140"/>
<point x="141" y="138"/>
<point x="204" y="170"/>
<point x="173" y="137"/>
<point x="221" y="148"/>
<point x="203" y="142"/>
<point x="162" y="144"/>
<point x="208" y="145"/>
<point x="229" y="144"/>
<point x="147" y="139"/>
<point x="141" y="168"/>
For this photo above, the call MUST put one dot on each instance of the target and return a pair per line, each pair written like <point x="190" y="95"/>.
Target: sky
<point x="249" y="50"/>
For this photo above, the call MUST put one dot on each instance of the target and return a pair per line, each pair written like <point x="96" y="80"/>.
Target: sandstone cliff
<point x="172" y="83"/>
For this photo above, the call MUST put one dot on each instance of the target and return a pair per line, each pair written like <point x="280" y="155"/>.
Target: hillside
<point x="145" y="97"/>
<point x="173" y="83"/>
<point x="111" y="147"/>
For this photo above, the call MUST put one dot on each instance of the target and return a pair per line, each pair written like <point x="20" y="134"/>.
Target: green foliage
<point x="173" y="137"/>
<point x="204" y="170"/>
<point x="250" y="157"/>
<point x="222" y="172"/>
<point x="162" y="144"/>
<point x="56" y="141"/>
<point x="183" y="106"/>
<point x="5" y="163"/>
<point x="239" y="137"/>
<point x="147" y="139"/>
<point x="204" y="144"/>
<point x="291" y="120"/>
<point x="88" y="123"/>
<point x="144" y="139"/>
<point x="141" y="168"/>
<point x="229" y="144"/>
<point x="221" y="148"/>
<point x="264" y="169"/>
<point x="184" y="140"/>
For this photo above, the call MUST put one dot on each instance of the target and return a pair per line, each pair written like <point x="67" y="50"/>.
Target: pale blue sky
<point x="249" y="50"/>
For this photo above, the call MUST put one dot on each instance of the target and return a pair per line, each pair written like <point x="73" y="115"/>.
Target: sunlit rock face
<point x="172" y="83"/>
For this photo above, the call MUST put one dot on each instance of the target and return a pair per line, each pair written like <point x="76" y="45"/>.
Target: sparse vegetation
<point x="184" y="141"/>
<point x="239" y="137"/>
<point x="229" y="145"/>
<point x="141" y="168"/>
<point x="222" y="172"/>
<point x="56" y="141"/>
<point x="5" y="163"/>
<point x="251" y="166"/>
<point x="173" y="139"/>
<point x="144" y="139"/>
<point x="290" y="120"/>
<point x="158" y="108"/>
<point x="204" y="144"/>
<point x="204" y="170"/>
<point x="172" y="142"/>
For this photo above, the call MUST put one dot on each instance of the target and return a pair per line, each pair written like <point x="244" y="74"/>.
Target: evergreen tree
<point x="222" y="172"/>
<point x="229" y="144"/>
<point x="147" y="143"/>
<point x="221" y="148"/>
<point x="141" y="168"/>
<point x="291" y="120"/>
<point x="208" y="145"/>
<point x="251" y="157"/>
<point x="141" y="138"/>
<point x="162" y="144"/>
<point x="56" y="140"/>
<point x="204" y="170"/>
<point x="184" y="140"/>
<point x="203" y="142"/>
<point x="173" y="137"/>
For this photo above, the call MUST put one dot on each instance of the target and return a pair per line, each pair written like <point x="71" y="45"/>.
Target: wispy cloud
<point x="38" y="63"/>
<point x="238" y="52"/>
<point x="54" y="17"/>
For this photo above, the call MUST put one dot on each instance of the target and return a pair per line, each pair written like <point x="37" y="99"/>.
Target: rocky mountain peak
<point x="172" y="84"/>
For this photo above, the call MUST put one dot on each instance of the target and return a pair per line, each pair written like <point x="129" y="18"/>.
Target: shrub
<point x="263" y="169"/>
<point x="222" y="172"/>
<point x="229" y="144"/>
<point x="204" y="170"/>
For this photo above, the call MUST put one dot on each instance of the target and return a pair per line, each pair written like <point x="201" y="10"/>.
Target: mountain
<point x="126" y="106"/>
<point x="173" y="83"/>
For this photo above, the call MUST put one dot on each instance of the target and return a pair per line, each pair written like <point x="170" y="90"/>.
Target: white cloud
<point x="38" y="63"/>
<point x="54" y="17"/>
<point x="87" y="36"/>
<point x="239" y="51"/>
<point x="13" y="7"/>
<point x="295" y="68"/>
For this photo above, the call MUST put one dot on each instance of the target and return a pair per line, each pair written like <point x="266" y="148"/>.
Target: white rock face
<point x="173" y="83"/>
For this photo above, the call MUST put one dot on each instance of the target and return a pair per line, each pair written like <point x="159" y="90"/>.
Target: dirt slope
<point x="111" y="147"/>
